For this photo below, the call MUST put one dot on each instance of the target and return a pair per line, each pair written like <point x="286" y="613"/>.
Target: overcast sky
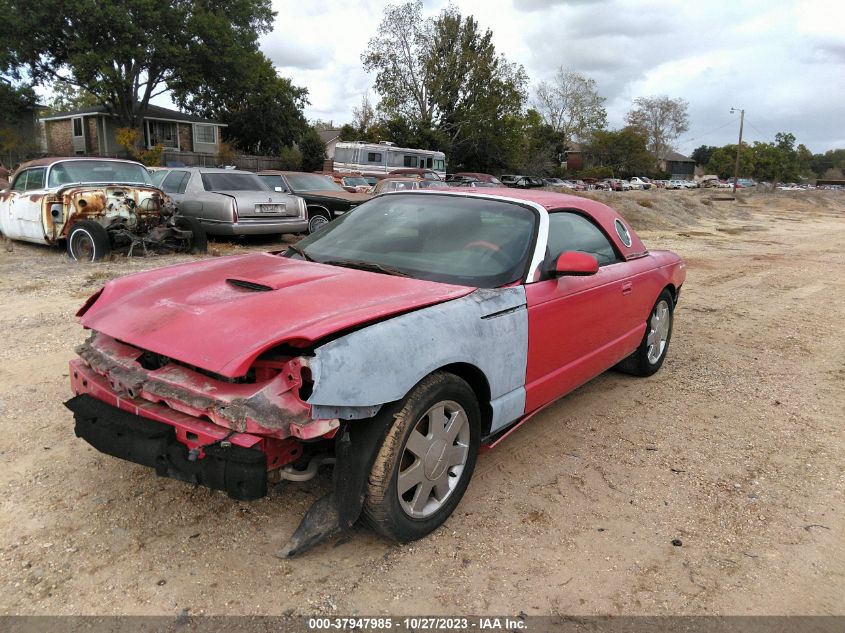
<point x="783" y="61"/>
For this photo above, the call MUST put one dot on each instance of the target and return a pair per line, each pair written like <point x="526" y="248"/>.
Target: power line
<point x="695" y="138"/>
<point x="760" y="132"/>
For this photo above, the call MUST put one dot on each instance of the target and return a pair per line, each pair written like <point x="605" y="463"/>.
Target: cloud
<point x="782" y="60"/>
<point x="287" y="54"/>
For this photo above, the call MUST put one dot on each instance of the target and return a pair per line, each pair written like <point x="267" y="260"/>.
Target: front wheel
<point x="426" y="460"/>
<point x="652" y="350"/>
<point x="199" y="239"/>
<point x="88" y="241"/>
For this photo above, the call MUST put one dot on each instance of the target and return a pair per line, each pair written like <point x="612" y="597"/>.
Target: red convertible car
<point x="395" y="344"/>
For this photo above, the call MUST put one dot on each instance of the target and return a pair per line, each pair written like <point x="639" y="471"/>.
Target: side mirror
<point x="576" y="264"/>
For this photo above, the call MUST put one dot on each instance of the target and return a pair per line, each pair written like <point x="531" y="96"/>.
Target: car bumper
<point x="238" y="470"/>
<point x="256" y="227"/>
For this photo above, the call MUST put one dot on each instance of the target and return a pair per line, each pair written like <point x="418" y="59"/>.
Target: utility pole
<point x="738" y="146"/>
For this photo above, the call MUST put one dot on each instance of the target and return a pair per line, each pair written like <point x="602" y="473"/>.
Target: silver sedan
<point x="232" y="202"/>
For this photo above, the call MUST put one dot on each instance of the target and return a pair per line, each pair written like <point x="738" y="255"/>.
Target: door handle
<point x="627" y="288"/>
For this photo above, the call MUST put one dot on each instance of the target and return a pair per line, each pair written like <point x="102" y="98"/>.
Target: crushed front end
<point x="228" y="434"/>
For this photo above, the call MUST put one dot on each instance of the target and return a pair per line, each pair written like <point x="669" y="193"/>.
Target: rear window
<point x="222" y="181"/>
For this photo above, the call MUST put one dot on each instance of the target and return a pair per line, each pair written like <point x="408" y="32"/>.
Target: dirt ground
<point x="735" y="447"/>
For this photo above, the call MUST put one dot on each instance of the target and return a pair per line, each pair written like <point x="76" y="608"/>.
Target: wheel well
<point x="317" y="207"/>
<point x="476" y="379"/>
<point x="673" y="291"/>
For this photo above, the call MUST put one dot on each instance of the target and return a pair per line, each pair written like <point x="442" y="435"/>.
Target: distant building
<point x="574" y="157"/>
<point x="330" y="139"/>
<point x="91" y="131"/>
<point x="681" y="167"/>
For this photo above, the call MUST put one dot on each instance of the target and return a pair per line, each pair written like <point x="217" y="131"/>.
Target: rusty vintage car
<point x="95" y="206"/>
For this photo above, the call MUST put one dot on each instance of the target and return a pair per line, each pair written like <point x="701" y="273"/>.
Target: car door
<point x="578" y="326"/>
<point x="174" y="183"/>
<point x="21" y="207"/>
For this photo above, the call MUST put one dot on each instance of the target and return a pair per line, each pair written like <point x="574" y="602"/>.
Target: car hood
<point x="220" y="314"/>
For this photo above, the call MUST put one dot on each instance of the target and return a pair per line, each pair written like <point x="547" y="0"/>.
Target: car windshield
<point x="107" y="171"/>
<point x="312" y="182"/>
<point x="450" y="239"/>
<point x="228" y="181"/>
<point x="355" y="182"/>
<point x="433" y="184"/>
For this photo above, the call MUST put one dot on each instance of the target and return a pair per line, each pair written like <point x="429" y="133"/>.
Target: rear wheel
<point x="88" y="241"/>
<point x="317" y="220"/>
<point x="426" y="460"/>
<point x="652" y="350"/>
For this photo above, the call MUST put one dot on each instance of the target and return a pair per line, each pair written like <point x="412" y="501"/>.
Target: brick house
<point x="91" y="131"/>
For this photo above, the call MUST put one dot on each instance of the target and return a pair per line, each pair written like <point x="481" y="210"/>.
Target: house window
<point x="77" y="127"/>
<point x="205" y="134"/>
<point x="374" y="157"/>
<point x="162" y="133"/>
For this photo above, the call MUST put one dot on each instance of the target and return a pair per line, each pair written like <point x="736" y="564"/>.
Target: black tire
<point x="317" y="219"/>
<point x="87" y="242"/>
<point x="641" y="363"/>
<point x="383" y="507"/>
<point x="199" y="241"/>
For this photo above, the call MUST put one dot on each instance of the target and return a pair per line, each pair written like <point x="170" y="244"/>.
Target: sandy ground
<point x="736" y="448"/>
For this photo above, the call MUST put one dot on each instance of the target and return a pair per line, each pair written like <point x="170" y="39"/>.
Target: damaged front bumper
<point x="239" y="471"/>
<point x="227" y="436"/>
<point x="269" y="405"/>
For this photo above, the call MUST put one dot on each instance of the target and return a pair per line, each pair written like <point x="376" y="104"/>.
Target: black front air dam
<point x="240" y="472"/>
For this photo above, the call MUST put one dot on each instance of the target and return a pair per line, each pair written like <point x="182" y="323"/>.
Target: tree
<point x="397" y="54"/>
<point x="544" y="146"/>
<point x="349" y="133"/>
<point x="67" y="98"/>
<point x="263" y="111"/>
<point x="623" y="151"/>
<point x="364" y="115"/>
<point x="472" y="90"/>
<point x="16" y="104"/>
<point x="778" y="161"/>
<point x="701" y="155"/>
<point x="444" y="79"/>
<point x="831" y="159"/>
<point x="722" y="161"/>
<point x="125" y="53"/>
<point x="312" y="149"/>
<point x="661" y="120"/>
<point x="570" y="104"/>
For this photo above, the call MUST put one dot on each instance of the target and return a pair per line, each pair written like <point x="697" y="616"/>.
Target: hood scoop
<point x="246" y="284"/>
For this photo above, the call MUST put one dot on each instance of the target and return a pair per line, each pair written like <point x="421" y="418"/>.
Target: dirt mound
<point x="672" y="210"/>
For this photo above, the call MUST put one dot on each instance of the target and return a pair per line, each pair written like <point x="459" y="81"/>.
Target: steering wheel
<point x="482" y="244"/>
<point x="494" y="250"/>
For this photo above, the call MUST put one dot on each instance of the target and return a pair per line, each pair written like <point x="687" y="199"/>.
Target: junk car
<point x="232" y="202"/>
<point x="397" y="342"/>
<point x="94" y="205"/>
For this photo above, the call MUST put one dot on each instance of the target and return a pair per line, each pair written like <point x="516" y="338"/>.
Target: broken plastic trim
<point x="356" y="446"/>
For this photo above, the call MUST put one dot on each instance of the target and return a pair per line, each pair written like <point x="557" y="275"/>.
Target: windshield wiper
<point x="300" y="251"/>
<point x="370" y="266"/>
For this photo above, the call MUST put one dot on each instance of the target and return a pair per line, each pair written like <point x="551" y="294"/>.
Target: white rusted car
<point x="95" y="205"/>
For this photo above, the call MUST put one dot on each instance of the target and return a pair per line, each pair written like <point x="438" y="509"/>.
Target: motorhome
<point x="375" y="159"/>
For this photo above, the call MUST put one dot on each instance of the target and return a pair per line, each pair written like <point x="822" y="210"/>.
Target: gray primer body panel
<point x="381" y="363"/>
